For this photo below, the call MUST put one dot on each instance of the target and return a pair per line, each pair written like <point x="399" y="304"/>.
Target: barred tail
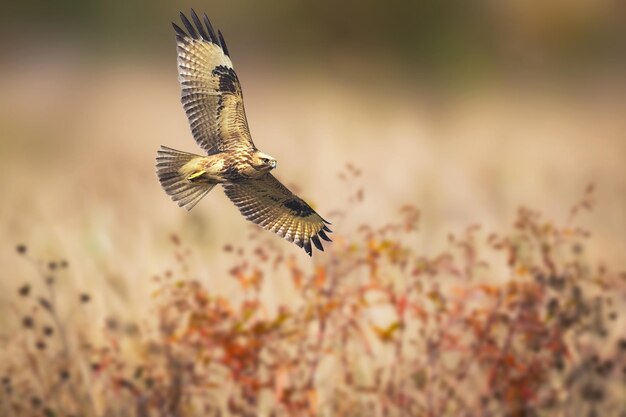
<point x="186" y="193"/>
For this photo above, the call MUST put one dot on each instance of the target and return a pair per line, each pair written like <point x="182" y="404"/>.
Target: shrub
<point x="511" y="324"/>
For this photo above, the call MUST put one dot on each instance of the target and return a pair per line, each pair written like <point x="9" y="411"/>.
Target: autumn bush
<point x="518" y="323"/>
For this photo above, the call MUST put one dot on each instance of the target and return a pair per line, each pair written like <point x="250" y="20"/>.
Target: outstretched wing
<point x="272" y="206"/>
<point x="211" y="93"/>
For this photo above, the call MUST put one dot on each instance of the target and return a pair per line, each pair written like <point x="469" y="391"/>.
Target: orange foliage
<point x="375" y="329"/>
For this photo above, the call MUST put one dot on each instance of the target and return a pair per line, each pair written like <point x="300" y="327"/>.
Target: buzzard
<point x="213" y="102"/>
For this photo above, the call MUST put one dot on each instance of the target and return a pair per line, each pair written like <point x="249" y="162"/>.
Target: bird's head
<point x="263" y="162"/>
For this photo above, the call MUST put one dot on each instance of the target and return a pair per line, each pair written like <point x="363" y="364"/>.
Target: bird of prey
<point x="213" y="102"/>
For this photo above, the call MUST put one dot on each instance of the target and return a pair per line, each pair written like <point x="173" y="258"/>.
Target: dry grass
<point x="388" y="320"/>
<point x="520" y="323"/>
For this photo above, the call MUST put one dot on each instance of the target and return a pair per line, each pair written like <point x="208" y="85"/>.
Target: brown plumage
<point x="213" y="102"/>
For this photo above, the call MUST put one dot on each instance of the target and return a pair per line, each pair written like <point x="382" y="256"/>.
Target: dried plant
<point x="519" y="323"/>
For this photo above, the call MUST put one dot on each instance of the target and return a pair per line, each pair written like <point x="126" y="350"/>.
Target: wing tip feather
<point x="192" y="31"/>
<point x="179" y="31"/>
<point x="317" y="243"/>
<point x="197" y="30"/>
<point x="223" y="43"/>
<point x="324" y="236"/>
<point x="307" y="247"/>
<point x="209" y="27"/>
<point x="199" y="27"/>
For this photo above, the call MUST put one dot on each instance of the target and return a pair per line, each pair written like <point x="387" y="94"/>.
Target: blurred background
<point x="467" y="109"/>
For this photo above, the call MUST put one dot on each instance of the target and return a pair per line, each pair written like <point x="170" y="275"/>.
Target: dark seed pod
<point x="28" y="322"/>
<point x="24" y="290"/>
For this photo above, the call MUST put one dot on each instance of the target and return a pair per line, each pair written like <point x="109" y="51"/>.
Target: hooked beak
<point x="273" y="164"/>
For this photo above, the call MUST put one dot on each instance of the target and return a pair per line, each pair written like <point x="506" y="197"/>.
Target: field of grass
<point x="440" y="296"/>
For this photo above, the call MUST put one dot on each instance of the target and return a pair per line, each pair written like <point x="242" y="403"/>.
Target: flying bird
<point x="213" y="102"/>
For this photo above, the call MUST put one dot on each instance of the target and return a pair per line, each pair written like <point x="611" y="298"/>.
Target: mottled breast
<point x="238" y="167"/>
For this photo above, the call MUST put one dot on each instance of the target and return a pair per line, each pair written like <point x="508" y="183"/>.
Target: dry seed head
<point x="45" y="303"/>
<point x="35" y="402"/>
<point x="24" y="290"/>
<point x="112" y="324"/>
<point x="28" y="322"/>
<point x="592" y="393"/>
